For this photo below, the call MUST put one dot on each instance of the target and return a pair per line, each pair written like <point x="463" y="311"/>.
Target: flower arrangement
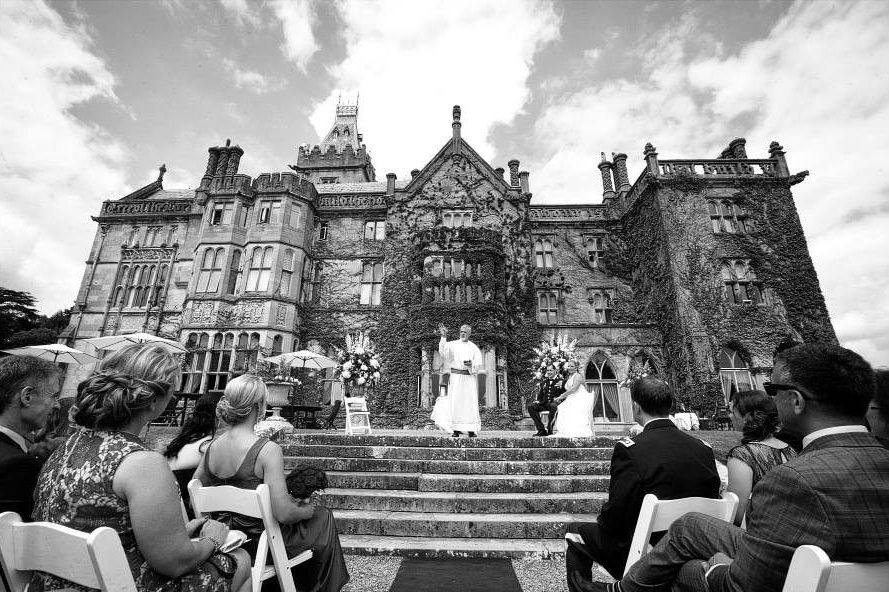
<point x="637" y="370"/>
<point x="357" y="365"/>
<point x="273" y="428"/>
<point x="557" y="351"/>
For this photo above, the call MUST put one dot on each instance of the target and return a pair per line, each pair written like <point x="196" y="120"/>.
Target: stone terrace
<point x="414" y="494"/>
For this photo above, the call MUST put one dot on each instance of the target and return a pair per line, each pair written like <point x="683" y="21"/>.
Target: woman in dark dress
<point x="242" y="459"/>
<point x="104" y="475"/>
<point x="755" y="416"/>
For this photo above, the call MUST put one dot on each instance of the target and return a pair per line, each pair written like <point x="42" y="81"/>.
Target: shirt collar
<point x="843" y="429"/>
<point x="15" y="437"/>
<point x="645" y="425"/>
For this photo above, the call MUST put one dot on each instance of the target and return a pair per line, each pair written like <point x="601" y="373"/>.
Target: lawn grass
<point x="721" y="440"/>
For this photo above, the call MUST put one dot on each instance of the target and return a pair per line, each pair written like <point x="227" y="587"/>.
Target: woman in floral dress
<point x="104" y="475"/>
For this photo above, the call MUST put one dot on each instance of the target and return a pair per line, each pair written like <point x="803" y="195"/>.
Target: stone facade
<point x="700" y="268"/>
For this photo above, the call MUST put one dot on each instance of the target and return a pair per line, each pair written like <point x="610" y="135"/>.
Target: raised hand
<point x="442" y="330"/>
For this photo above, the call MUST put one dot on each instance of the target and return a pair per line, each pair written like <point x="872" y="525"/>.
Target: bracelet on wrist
<point x="216" y="546"/>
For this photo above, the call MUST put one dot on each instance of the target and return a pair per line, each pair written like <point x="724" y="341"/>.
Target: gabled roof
<point x="457" y="146"/>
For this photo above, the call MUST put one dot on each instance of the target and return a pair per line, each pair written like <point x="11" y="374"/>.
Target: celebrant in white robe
<point x="465" y="361"/>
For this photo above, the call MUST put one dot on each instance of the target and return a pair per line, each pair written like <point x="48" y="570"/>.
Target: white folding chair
<point x="92" y="559"/>
<point x="657" y="516"/>
<point x="256" y="503"/>
<point x="812" y="571"/>
<point x="357" y="416"/>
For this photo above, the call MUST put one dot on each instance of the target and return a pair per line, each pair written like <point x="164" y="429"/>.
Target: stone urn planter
<point x="279" y="395"/>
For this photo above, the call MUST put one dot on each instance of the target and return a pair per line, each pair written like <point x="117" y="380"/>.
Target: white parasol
<point x="54" y="352"/>
<point x="116" y="342"/>
<point x="303" y="359"/>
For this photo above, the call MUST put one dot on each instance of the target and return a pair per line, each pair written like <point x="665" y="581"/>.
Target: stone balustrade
<point x="154" y="207"/>
<point x="718" y="167"/>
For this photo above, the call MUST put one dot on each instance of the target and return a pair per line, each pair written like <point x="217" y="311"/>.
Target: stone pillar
<point x="513" y="172"/>
<point x="776" y="153"/>
<point x="650" y="154"/>
<point x="523" y="181"/>
<point x="426" y="398"/>
<point x="621" y="178"/>
<point x="390" y="183"/>
<point x="738" y="148"/>
<point x="605" y="169"/>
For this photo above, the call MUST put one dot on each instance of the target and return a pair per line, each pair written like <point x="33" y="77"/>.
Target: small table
<point x="304" y="416"/>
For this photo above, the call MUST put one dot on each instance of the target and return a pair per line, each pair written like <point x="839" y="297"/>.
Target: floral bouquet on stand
<point x="357" y="366"/>
<point x="557" y="351"/>
<point x="637" y="370"/>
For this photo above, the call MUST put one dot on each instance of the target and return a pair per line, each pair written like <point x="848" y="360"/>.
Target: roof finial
<point x="456" y="113"/>
<point x="160" y="173"/>
<point x="228" y="142"/>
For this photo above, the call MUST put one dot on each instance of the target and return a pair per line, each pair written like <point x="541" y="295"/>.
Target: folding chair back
<point x="255" y="504"/>
<point x="812" y="571"/>
<point x="657" y="516"/>
<point x="357" y="416"/>
<point x="94" y="560"/>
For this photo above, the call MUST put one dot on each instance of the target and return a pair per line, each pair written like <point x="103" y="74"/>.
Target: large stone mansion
<point x="699" y="267"/>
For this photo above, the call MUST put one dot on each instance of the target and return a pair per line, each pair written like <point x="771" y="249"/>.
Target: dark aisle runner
<point x="456" y="575"/>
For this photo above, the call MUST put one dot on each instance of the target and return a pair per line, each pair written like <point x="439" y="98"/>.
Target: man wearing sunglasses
<point x="832" y="495"/>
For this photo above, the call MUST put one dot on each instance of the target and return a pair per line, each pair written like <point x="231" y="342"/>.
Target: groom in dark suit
<point x="551" y="387"/>
<point x="832" y="495"/>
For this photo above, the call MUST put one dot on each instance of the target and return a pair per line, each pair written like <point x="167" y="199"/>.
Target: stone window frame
<point x="287" y="266"/>
<point x="549" y="313"/>
<point x="152" y="233"/>
<point x="245" y="213"/>
<point x="371" y="291"/>
<point x="234" y="272"/>
<point x="544" y="252"/>
<point x="222" y="214"/>
<point x="595" y="251"/>
<point x="323" y="230"/>
<point x="434" y="265"/>
<point x="450" y="217"/>
<point x="728" y="218"/>
<point x="602" y="301"/>
<point x="259" y="271"/>
<point x="269" y="211"/>
<point x="296" y="216"/>
<point x="210" y="272"/>
<point x="740" y="284"/>
<point x="218" y="369"/>
<point x="734" y="372"/>
<point x="378" y="230"/>
<point x="329" y="180"/>
<point x="597" y="383"/>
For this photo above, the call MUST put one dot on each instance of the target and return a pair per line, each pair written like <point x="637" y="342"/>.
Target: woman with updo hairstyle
<point x="242" y="459"/>
<point x="754" y="414"/>
<point x="104" y="475"/>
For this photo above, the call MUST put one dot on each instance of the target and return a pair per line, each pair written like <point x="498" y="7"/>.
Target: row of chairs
<point x="97" y="559"/>
<point x="811" y="570"/>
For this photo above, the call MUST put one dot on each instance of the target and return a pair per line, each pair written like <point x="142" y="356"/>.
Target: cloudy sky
<point x="99" y="94"/>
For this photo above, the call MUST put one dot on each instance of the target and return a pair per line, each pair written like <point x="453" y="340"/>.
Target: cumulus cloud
<point x="243" y="11"/>
<point x="249" y="80"/>
<point x="817" y="83"/>
<point x="412" y="61"/>
<point x="54" y="167"/>
<point x="297" y="19"/>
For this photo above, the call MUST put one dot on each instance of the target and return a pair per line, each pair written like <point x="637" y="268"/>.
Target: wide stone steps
<point x="428" y="495"/>
<point x="406" y="500"/>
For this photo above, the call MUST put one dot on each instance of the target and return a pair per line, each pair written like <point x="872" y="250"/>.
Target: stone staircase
<point x="504" y="494"/>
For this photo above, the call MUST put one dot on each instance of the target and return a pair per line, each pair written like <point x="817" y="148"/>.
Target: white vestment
<point x="463" y="388"/>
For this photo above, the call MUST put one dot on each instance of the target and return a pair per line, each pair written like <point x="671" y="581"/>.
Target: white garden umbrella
<point x="54" y="352"/>
<point x="116" y="342"/>
<point x="303" y="359"/>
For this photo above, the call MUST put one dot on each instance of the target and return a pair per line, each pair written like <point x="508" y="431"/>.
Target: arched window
<point x="241" y="353"/>
<point x="602" y="383"/>
<point x="286" y="272"/>
<point x="741" y="284"/>
<point x="733" y="373"/>
<point x="641" y="359"/>
<point x="211" y="270"/>
<point x="727" y="217"/>
<point x="277" y="345"/>
<point x="260" y="270"/>
<point x="191" y="378"/>
<point x="543" y="253"/>
<point x="253" y="352"/>
<point x="220" y="362"/>
<point x="234" y="269"/>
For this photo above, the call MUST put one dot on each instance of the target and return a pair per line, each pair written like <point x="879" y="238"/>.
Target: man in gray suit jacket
<point x="832" y="495"/>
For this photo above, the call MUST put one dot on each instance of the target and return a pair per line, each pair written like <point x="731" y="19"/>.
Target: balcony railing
<point x="718" y="167"/>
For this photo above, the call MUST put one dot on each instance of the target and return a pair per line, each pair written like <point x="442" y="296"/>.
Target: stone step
<point x="365" y="480"/>
<point x="403" y="500"/>
<point x="430" y="524"/>
<point x="468" y="483"/>
<point x="441" y="548"/>
<point x="435" y="453"/>
<point x="454" y="467"/>
<point x="434" y="440"/>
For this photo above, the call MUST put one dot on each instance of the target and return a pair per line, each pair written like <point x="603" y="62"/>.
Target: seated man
<point x="832" y="495"/>
<point x="551" y="387"/>
<point x="661" y="460"/>
<point x="877" y="416"/>
<point x="29" y="391"/>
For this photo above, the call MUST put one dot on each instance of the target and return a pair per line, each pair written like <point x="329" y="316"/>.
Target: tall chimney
<point x="390" y="183"/>
<point x="523" y="181"/>
<point x="605" y="169"/>
<point x="234" y="159"/>
<point x="513" y="172"/>
<point x="622" y="179"/>
<point x="212" y="160"/>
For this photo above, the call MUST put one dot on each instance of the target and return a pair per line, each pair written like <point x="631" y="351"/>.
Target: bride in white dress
<point x="574" y="418"/>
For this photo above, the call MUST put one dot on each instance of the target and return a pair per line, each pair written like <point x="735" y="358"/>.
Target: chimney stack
<point x="513" y="172"/>
<point x="234" y="159"/>
<point x="605" y="169"/>
<point x="523" y="181"/>
<point x="212" y="161"/>
<point x="621" y="178"/>
<point x="390" y="183"/>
